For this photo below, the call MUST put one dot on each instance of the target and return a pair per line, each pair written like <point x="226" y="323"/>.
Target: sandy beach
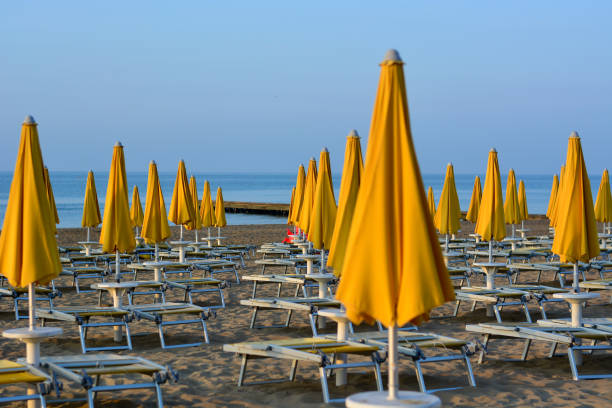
<point x="208" y="375"/>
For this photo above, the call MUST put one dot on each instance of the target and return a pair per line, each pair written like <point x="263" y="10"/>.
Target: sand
<point x="208" y="375"/>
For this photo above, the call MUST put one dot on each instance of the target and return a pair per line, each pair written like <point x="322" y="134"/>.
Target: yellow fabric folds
<point x="299" y="196"/>
<point x="51" y="198"/>
<point x="155" y="228"/>
<point x="291" y="202"/>
<point x="206" y="208"/>
<point x="352" y="172"/>
<point x="91" y="209"/>
<point x="196" y="223"/>
<point x="431" y="202"/>
<point x="117" y="233"/>
<point x="136" y="214"/>
<point x="554" y="212"/>
<point x="309" y="193"/>
<point x="181" y="206"/>
<point x="512" y="213"/>
<point x="220" y="210"/>
<point x="472" y="214"/>
<point x="576" y="229"/>
<point x="323" y="217"/>
<point x="448" y="213"/>
<point x="490" y="223"/>
<point x="603" y="204"/>
<point x="393" y="269"/>
<point x="522" y="201"/>
<point x="28" y="249"/>
<point x="553" y="196"/>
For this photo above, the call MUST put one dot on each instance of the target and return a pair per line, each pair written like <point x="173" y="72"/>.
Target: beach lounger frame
<point x="86" y="370"/>
<point x="19" y="294"/>
<point x="323" y="352"/>
<point x="218" y="266"/>
<point x="79" y="273"/>
<point x="12" y="373"/>
<point x="497" y="298"/>
<point x="200" y="285"/>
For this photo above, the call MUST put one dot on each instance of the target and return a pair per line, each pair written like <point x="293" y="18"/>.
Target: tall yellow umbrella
<point x="512" y="213"/>
<point x="603" y="203"/>
<point x="291" y="203"/>
<point x="136" y="214"/>
<point x="155" y="227"/>
<point x="431" y="202"/>
<point x="393" y="269"/>
<point x="553" y="196"/>
<point x="323" y="217"/>
<point x="219" y="214"/>
<point x="117" y="235"/>
<point x="207" y="211"/>
<point x="352" y="172"/>
<point x="181" y="206"/>
<point x="490" y="223"/>
<point x="28" y="248"/>
<point x="51" y="196"/>
<point x="553" y="214"/>
<point x="196" y="223"/>
<point x="299" y="196"/>
<point x="522" y="201"/>
<point x="448" y="213"/>
<point x="309" y="193"/>
<point x="472" y="214"/>
<point x="91" y="209"/>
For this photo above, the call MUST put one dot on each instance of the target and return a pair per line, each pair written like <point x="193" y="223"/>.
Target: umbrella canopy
<point x="155" y="227"/>
<point x="136" y="214"/>
<point x="431" y="202"/>
<point x="323" y="217"/>
<point x="28" y="248"/>
<point x="91" y="209"/>
<point x="554" y="212"/>
<point x="522" y="201"/>
<point x="309" y="193"/>
<point x="196" y="223"/>
<point x="576" y="229"/>
<point x="117" y="233"/>
<point x="291" y="202"/>
<point x="51" y="196"/>
<point x="448" y="213"/>
<point x="490" y="223"/>
<point x="553" y="196"/>
<point x="220" y="210"/>
<point x="603" y="203"/>
<point x="393" y="269"/>
<point x="472" y="214"/>
<point x="349" y="188"/>
<point x="299" y="195"/>
<point x="206" y="208"/>
<point x="181" y="206"/>
<point x="512" y="213"/>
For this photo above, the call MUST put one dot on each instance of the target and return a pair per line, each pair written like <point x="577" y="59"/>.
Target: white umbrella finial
<point x="29" y="120"/>
<point x="392" y="55"/>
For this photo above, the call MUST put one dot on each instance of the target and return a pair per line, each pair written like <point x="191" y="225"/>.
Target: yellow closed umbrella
<point x="553" y="214"/>
<point x="393" y="269"/>
<point x="448" y="213"/>
<point x="352" y="172"/>
<point x="181" y="206"/>
<point x="291" y="202"/>
<point x="431" y="202"/>
<point x="553" y="196"/>
<point x="136" y="214"/>
<point x="207" y="211"/>
<point x="196" y="223"/>
<point x="522" y="201"/>
<point x="309" y="192"/>
<point x="299" y="196"/>
<point x="155" y="227"/>
<point x="512" y="213"/>
<point x="219" y="213"/>
<point x="91" y="209"/>
<point x="323" y="217"/>
<point x="51" y="196"/>
<point x="490" y="224"/>
<point x="472" y="214"/>
<point x="603" y="203"/>
<point x="117" y="235"/>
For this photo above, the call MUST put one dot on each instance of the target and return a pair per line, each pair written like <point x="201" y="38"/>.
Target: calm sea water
<point x="69" y="189"/>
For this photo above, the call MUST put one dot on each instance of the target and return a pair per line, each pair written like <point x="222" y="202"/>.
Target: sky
<point x="245" y="86"/>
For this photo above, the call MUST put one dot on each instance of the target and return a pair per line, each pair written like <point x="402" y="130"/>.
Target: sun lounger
<point x="516" y="268"/>
<point x="92" y="371"/>
<point x="159" y="313"/>
<point x="200" y="285"/>
<point x="413" y="345"/>
<point x="317" y="350"/>
<point x="12" y="373"/>
<point x="216" y="266"/>
<point x="293" y="279"/>
<point x="21" y="294"/>
<point x="603" y="267"/>
<point x="605" y="284"/>
<point x="232" y="255"/>
<point x="554" y="334"/>
<point x="496" y="298"/>
<point x="542" y="295"/>
<point x="83" y="316"/>
<point x="79" y="273"/>
<point x="283" y="263"/>
<point x="460" y="274"/>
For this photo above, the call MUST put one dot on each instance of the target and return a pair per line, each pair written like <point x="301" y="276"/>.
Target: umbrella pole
<point x="490" y="251"/>
<point x="156" y="252"/>
<point x="322" y="267"/>
<point x="576" y="287"/>
<point x="393" y="373"/>
<point x="513" y="230"/>
<point x="218" y="231"/>
<point x="196" y="236"/>
<point x="88" y="234"/>
<point x="32" y="304"/>
<point x="446" y="244"/>
<point x="181" y="238"/>
<point x="117" y="272"/>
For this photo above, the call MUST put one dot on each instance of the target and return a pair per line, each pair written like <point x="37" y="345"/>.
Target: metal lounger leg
<point x="243" y="367"/>
<point x="468" y="367"/>
<point x="253" y="317"/>
<point x="419" y="374"/>
<point x="485" y="343"/>
<point x="293" y="370"/>
<point x="526" y="349"/>
<point x="324" y="387"/>
<point x="497" y="314"/>
<point x="160" y="398"/>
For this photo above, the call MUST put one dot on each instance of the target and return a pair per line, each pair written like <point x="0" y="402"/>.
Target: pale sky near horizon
<point x="262" y="86"/>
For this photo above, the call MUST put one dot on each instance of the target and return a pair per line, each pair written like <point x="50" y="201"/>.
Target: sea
<point x="69" y="190"/>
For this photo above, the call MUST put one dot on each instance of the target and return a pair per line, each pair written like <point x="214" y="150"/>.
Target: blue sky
<point x="262" y="86"/>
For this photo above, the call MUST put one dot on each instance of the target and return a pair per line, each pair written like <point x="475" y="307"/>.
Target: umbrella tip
<point x="574" y="134"/>
<point x="325" y="150"/>
<point x="153" y="163"/>
<point x="392" y="55"/>
<point x="353" y="133"/>
<point x="313" y="159"/>
<point x="118" y="144"/>
<point x="29" y="120"/>
<point x="493" y="150"/>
